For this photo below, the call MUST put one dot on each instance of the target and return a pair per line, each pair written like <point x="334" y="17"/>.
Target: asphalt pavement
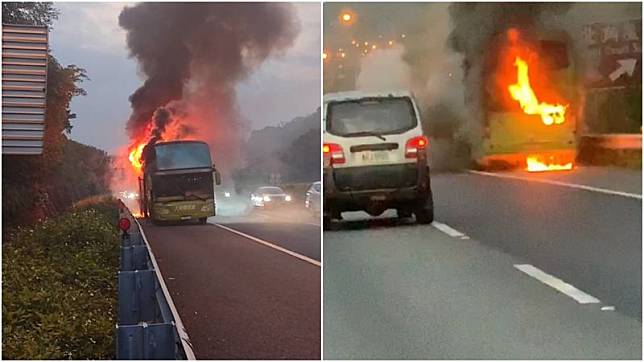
<point x="591" y="239"/>
<point x="292" y="228"/>
<point x="237" y="297"/>
<point x="396" y="290"/>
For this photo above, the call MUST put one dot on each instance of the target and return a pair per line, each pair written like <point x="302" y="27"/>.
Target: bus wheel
<point x="203" y="220"/>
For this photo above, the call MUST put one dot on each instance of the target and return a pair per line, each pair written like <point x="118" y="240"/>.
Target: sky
<point x="88" y="35"/>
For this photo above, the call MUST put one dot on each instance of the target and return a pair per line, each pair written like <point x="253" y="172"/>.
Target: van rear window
<point x="370" y="115"/>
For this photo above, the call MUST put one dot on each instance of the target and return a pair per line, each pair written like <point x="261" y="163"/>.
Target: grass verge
<point x="59" y="290"/>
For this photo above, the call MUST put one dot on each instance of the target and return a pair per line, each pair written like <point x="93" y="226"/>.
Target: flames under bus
<point x="177" y="182"/>
<point x="529" y="103"/>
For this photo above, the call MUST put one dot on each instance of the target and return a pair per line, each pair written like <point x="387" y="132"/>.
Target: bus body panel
<point x="175" y="193"/>
<point x="510" y="135"/>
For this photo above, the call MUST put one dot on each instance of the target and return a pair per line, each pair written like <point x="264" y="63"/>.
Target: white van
<point x="375" y="156"/>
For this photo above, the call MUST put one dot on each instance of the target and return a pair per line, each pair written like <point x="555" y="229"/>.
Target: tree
<point x="29" y="13"/>
<point x="63" y="84"/>
<point x="28" y="181"/>
<point x="302" y="158"/>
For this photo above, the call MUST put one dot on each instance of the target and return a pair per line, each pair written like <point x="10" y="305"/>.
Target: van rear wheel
<point x="326" y="221"/>
<point x="425" y="212"/>
<point x="403" y="213"/>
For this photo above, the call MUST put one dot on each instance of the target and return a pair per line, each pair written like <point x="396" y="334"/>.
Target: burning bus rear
<point x="177" y="182"/>
<point x="530" y="102"/>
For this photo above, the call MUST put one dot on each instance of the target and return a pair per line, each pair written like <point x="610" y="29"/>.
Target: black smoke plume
<point x="193" y="55"/>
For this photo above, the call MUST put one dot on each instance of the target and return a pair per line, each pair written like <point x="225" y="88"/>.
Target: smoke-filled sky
<point x="88" y="34"/>
<point x="433" y="43"/>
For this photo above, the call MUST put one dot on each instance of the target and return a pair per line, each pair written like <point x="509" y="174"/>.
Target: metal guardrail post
<point x="135" y="258"/>
<point x="147" y="327"/>
<point x="146" y="341"/>
<point x="137" y="296"/>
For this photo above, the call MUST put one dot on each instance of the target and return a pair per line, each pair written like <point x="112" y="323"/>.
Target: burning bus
<point x="529" y="102"/>
<point x="177" y="180"/>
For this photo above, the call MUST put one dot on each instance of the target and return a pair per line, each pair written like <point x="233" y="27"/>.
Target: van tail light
<point x="414" y="145"/>
<point x="334" y="152"/>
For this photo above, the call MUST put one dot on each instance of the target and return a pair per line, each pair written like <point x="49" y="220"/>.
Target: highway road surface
<point x="245" y="287"/>
<point x="516" y="266"/>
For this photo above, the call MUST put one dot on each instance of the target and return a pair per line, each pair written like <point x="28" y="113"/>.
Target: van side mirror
<point x="217" y="177"/>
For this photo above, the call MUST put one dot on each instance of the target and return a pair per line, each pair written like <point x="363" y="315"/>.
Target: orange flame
<point x="135" y="156"/>
<point x="522" y="92"/>
<point x="173" y="131"/>
<point x="534" y="165"/>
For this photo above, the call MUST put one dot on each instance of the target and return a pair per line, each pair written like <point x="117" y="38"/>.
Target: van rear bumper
<point x="355" y="188"/>
<point x="366" y="178"/>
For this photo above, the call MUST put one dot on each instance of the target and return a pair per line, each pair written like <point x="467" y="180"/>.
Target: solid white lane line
<point x="559" y="183"/>
<point x="449" y="230"/>
<point x="181" y="329"/>
<point x="271" y="245"/>
<point x="560" y="285"/>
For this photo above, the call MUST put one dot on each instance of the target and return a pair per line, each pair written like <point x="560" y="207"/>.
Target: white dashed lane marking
<point x="558" y="284"/>
<point x="536" y="273"/>
<point x="449" y="230"/>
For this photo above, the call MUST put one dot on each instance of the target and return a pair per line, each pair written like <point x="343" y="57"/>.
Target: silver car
<point x="312" y="198"/>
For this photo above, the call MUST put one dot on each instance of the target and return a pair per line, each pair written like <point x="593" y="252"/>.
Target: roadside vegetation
<point x="290" y="150"/>
<point x="60" y="256"/>
<point x="59" y="292"/>
<point x="37" y="187"/>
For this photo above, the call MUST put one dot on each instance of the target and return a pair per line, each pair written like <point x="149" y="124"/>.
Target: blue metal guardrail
<point x="148" y="325"/>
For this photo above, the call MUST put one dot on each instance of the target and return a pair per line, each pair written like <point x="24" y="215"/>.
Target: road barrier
<point x="613" y="141"/>
<point x="611" y="149"/>
<point x="148" y="325"/>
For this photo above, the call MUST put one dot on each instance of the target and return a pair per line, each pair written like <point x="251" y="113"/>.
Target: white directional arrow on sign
<point x="626" y="66"/>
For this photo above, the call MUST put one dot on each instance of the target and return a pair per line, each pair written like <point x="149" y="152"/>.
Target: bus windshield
<point x="180" y="155"/>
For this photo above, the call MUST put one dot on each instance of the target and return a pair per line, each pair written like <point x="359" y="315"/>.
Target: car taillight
<point x="334" y="152"/>
<point x="414" y="145"/>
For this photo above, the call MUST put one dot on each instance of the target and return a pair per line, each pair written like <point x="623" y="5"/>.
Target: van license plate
<point x="375" y="156"/>
<point x="378" y="198"/>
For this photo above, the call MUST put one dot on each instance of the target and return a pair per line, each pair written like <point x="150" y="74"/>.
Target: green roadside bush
<point x="59" y="290"/>
<point x="104" y="204"/>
